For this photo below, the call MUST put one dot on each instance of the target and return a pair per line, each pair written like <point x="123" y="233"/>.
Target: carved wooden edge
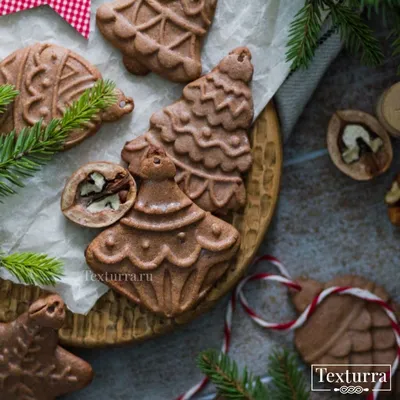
<point x="114" y="320"/>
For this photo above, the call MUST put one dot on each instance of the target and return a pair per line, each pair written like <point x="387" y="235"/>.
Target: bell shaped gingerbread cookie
<point x="205" y="134"/>
<point x="345" y="330"/>
<point x="166" y="253"/>
<point x="49" y="78"/>
<point x="32" y="365"/>
<point x="163" y="36"/>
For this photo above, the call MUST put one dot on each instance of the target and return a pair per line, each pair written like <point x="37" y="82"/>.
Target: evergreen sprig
<point x="23" y="154"/>
<point x="7" y="95"/>
<point x="356" y="34"/>
<point x="224" y="373"/>
<point x="288" y="380"/>
<point x="345" y="17"/>
<point x="303" y="34"/>
<point x="33" y="268"/>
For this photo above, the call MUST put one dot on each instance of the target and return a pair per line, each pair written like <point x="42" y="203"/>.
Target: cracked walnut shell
<point x="359" y="145"/>
<point x="98" y="195"/>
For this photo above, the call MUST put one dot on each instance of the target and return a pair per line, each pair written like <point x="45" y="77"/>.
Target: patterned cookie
<point x="205" y="133"/>
<point x="49" y="78"/>
<point x="344" y="329"/>
<point x="32" y="365"/>
<point x="166" y="253"/>
<point x="163" y="36"/>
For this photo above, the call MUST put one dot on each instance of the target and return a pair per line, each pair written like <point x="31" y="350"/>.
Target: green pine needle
<point x="7" y="95"/>
<point x="32" y="268"/>
<point x="288" y="382"/>
<point x="303" y="35"/>
<point x="356" y="34"/>
<point x="287" y="379"/>
<point x="345" y="16"/>
<point x="23" y="154"/>
<point x="224" y="373"/>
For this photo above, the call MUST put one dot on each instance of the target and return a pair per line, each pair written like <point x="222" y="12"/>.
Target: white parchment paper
<point x="32" y="220"/>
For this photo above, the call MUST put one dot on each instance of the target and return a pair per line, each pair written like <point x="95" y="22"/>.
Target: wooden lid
<point x="388" y="110"/>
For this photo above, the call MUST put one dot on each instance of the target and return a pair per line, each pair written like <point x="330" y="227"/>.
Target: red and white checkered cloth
<point x="75" y="12"/>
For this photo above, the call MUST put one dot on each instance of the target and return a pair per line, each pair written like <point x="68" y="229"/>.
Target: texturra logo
<point x="351" y="378"/>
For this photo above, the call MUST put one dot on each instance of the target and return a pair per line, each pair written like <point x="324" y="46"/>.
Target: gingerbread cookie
<point x="166" y="253"/>
<point x="345" y="329"/>
<point x="49" y="78"/>
<point x="205" y="133"/>
<point x="163" y="36"/>
<point x="32" y="365"/>
<point x="98" y="194"/>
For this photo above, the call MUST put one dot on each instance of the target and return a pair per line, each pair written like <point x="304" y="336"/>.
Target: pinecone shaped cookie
<point x="163" y="36"/>
<point x="32" y="365"/>
<point x="345" y="329"/>
<point x="166" y="253"/>
<point x="205" y="134"/>
<point x="49" y="78"/>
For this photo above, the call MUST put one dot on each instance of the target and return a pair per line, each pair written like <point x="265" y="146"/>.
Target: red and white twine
<point x="286" y="280"/>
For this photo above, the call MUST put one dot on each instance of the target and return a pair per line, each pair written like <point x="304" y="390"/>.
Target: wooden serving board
<point x="115" y="320"/>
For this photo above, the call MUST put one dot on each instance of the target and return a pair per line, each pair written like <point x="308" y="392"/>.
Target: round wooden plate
<point x="114" y="320"/>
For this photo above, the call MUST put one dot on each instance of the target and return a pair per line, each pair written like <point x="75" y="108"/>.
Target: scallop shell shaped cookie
<point x="166" y="253"/>
<point x="345" y="330"/>
<point x="163" y="36"/>
<point x="205" y="134"/>
<point x="49" y="78"/>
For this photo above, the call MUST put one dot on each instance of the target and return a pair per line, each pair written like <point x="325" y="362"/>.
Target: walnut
<point x="392" y="199"/>
<point x="98" y="195"/>
<point x="359" y="145"/>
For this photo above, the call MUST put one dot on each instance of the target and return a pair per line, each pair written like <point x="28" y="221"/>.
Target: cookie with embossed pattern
<point x="166" y="253"/>
<point x="163" y="36"/>
<point x="49" y="78"/>
<point x="346" y="331"/>
<point x="32" y="365"/>
<point x="205" y="133"/>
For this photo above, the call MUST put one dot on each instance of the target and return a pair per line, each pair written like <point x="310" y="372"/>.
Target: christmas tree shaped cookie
<point x="205" y="134"/>
<point x="166" y="253"/>
<point x="32" y="365"/>
<point x="163" y="36"/>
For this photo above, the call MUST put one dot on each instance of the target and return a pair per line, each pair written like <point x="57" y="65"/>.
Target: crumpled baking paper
<point x="32" y="219"/>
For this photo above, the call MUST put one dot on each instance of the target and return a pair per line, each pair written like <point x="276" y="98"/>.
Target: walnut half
<point x="98" y="195"/>
<point x="359" y="145"/>
<point x="392" y="199"/>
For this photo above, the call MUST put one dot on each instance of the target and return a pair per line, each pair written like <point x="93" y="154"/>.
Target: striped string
<point x="285" y="279"/>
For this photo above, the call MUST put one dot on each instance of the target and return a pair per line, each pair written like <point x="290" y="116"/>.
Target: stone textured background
<point x="326" y="224"/>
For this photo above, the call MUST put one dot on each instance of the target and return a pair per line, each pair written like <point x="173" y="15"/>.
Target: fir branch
<point x="33" y="268"/>
<point x="303" y="34"/>
<point x="356" y="34"/>
<point x="288" y="381"/>
<point x="345" y="16"/>
<point x="395" y="32"/>
<point x="7" y="95"/>
<point x="224" y="373"/>
<point x="23" y="154"/>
